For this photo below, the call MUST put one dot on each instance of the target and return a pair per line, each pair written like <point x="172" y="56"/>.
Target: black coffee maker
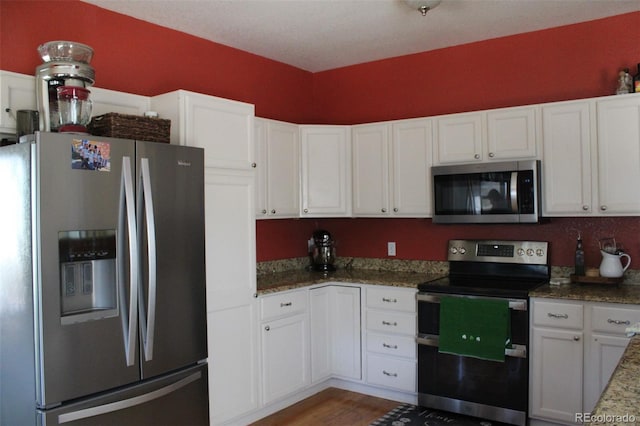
<point x="322" y="252"/>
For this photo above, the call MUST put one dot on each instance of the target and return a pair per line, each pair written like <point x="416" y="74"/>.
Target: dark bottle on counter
<point x="579" y="263"/>
<point x="636" y="82"/>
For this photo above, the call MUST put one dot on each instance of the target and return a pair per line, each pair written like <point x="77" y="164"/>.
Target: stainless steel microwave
<point x="502" y="192"/>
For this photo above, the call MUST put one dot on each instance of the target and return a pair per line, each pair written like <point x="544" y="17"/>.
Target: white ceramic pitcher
<point x="611" y="265"/>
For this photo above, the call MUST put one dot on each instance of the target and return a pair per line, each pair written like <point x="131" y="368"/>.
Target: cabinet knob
<point x="267" y="328"/>
<point x="491" y="154"/>
<point x="395" y="209"/>
<point x="7" y="110"/>
<point x="477" y="156"/>
<point x="254" y="165"/>
<point x="306" y="210"/>
<point x="273" y="211"/>
<point x="576" y="338"/>
<point x="585" y="208"/>
<point x="603" y="208"/>
<point x="383" y="210"/>
<point x="264" y="211"/>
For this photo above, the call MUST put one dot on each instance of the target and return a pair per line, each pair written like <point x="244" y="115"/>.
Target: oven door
<point x="488" y="389"/>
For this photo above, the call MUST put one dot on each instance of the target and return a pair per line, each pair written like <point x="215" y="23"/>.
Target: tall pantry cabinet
<point x="225" y="129"/>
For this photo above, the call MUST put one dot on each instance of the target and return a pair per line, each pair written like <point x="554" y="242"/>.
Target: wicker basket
<point x="131" y="127"/>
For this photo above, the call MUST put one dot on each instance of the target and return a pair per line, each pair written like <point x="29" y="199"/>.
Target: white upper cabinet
<point x="105" y="101"/>
<point x="326" y="171"/>
<point x="392" y="168"/>
<point x="17" y="91"/>
<point x="278" y="174"/>
<point x="210" y="122"/>
<point x="370" y="150"/>
<point x="501" y="134"/>
<point x="567" y="158"/>
<point x="459" y="138"/>
<point x="619" y="155"/>
<point x="411" y="161"/>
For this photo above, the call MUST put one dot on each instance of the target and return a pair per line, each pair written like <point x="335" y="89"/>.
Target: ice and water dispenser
<point x="87" y="275"/>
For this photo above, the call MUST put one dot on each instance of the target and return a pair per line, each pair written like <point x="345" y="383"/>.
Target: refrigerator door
<point x="176" y="399"/>
<point x="86" y="333"/>
<point x="170" y="180"/>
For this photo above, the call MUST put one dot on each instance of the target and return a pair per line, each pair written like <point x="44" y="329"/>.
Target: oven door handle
<point x="515" y="351"/>
<point x="514" y="304"/>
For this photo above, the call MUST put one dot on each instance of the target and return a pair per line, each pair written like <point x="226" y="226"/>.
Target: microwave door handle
<point x="144" y="196"/>
<point x="514" y="192"/>
<point x="126" y="220"/>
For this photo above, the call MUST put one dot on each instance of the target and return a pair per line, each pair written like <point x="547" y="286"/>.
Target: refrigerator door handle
<point x="128" y="403"/>
<point x="127" y="220"/>
<point x="145" y="196"/>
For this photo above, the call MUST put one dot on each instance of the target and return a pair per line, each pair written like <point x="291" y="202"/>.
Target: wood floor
<point x="332" y="407"/>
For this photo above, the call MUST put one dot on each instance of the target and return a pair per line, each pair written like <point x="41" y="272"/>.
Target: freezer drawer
<point x="179" y="398"/>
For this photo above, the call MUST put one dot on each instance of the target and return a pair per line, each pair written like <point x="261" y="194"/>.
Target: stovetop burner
<point x="493" y="268"/>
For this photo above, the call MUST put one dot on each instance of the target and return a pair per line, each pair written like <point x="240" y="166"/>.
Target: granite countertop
<point x="289" y="280"/>
<point x="624" y="293"/>
<point x="618" y="404"/>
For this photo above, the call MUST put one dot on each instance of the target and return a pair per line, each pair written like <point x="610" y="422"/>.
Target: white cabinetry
<point x="221" y="126"/>
<point x="567" y="158"/>
<point x="392" y="168"/>
<point x="105" y="101"/>
<point x="390" y="337"/>
<point x="501" y="134"/>
<point x="575" y="347"/>
<point x="17" y="91"/>
<point x="326" y="171"/>
<point x="619" y="155"/>
<point x="335" y="332"/>
<point x="278" y="174"/>
<point x="285" y="344"/>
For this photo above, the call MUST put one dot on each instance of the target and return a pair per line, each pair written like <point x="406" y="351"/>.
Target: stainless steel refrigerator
<point x="102" y="283"/>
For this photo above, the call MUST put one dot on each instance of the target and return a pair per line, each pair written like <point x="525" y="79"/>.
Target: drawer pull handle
<point x="385" y="345"/>
<point x="618" y="322"/>
<point x="283" y="305"/>
<point x="389" y="323"/>
<point x="386" y="373"/>
<point x="386" y="300"/>
<point x="563" y="316"/>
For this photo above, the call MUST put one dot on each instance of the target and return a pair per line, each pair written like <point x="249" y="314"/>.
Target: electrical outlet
<point x="391" y="248"/>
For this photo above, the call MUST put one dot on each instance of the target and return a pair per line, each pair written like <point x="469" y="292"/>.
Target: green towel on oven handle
<point x="479" y="328"/>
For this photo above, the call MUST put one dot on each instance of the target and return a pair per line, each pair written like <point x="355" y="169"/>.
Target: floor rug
<point x="410" y="415"/>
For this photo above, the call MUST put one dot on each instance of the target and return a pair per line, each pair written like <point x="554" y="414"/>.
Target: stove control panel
<point x="522" y="252"/>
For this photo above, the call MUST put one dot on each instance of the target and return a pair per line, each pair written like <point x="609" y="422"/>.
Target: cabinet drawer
<point x="613" y="320"/>
<point x="389" y="344"/>
<point x="391" y="372"/>
<point x="391" y="322"/>
<point x="391" y="298"/>
<point x="556" y="314"/>
<point x="283" y="304"/>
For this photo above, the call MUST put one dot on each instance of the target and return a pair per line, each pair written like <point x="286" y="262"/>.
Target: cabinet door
<point x="105" y="101"/>
<point x="223" y="127"/>
<point x="603" y="357"/>
<point x="556" y="374"/>
<point x="260" y="139"/>
<point x="233" y="362"/>
<point x="411" y="161"/>
<point x="511" y="133"/>
<point x="230" y="238"/>
<point x="370" y="152"/>
<point x="321" y="340"/>
<point x="17" y="91"/>
<point x="345" y="315"/>
<point x="283" y="174"/>
<point x="459" y="138"/>
<point x="619" y="155"/>
<point x="566" y="133"/>
<point x="285" y="357"/>
<point x="326" y="171"/>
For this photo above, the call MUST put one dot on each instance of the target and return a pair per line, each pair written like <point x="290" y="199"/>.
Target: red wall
<point x="563" y="63"/>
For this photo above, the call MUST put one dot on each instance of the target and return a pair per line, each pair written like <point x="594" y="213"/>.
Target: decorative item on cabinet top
<point x="147" y="128"/>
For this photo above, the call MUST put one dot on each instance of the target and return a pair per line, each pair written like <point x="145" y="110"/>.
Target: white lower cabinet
<point x="575" y="347"/>
<point x="390" y="338"/>
<point x="285" y="344"/>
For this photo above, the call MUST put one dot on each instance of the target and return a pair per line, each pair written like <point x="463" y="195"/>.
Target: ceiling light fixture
<point x="422" y="5"/>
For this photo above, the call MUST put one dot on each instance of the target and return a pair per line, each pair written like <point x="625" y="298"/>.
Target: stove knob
<point x="529" y="252"/>
<point x="453" y="250"/>
<point x="540" y="252"/>
<point x="520" y="252"/>
<point x="463" y="250"/>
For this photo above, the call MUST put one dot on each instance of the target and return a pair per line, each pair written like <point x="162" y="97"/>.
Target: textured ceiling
<point x="317" y="35"/>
